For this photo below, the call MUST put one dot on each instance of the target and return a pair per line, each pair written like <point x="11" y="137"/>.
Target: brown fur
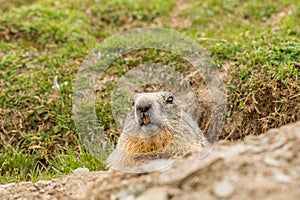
<point x="146" y="145"/>
<point x="179" y="133"/>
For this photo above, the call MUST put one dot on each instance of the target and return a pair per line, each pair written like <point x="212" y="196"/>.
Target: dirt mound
<point x="265" y="166"/>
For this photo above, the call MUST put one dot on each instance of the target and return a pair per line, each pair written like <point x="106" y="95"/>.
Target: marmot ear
<point x="133" y="98"/>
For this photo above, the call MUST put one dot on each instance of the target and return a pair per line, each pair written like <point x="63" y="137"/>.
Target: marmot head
<point x="157" y="127"/>
<point x="151" y="112"/>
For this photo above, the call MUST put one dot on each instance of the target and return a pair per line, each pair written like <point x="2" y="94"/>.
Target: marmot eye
<point x="169" y="99"/>
<point x="132" y="102"/>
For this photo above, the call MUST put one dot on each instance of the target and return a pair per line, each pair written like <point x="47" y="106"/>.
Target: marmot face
<point x="157" y="127"/>
<point x="152" y="111"/>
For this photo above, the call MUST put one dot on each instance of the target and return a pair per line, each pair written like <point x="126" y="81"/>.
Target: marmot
<point x="157" y="127"/>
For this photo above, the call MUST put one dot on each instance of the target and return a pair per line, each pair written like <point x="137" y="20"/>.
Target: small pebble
<point x="253" y="142"/>
<point x="138" y="190"/>
<point x="298" y="133"/>
<point x="124" y="182"/>
<point x="122" y="194"/>
<point x="257" y="149"/>
<point x="148" y="179"/>
<point x="27" y="54"/>
<point x="265" y="141"/>
<point x="3" y="192"/>
<point x="271" y="161"/>
<point x="42" y="183"/>
<point x="223" y="189"/>
<point x="81" y="170"/>
<point x="282" y="178"/>
<point x="277" y="145"/>
<point x="5" y="186"/>
<point x="154" y="193"/>
<point x="130" y="197"/>
<point x="288" y="155"/>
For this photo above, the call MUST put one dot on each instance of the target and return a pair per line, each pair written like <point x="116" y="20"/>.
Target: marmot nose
<point x="144" y="108"/>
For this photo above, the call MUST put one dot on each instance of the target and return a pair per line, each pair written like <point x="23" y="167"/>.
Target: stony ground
<point x="259" y="167"/>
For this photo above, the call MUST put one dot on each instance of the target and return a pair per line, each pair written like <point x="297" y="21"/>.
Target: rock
<point x="282" y="178"/>
<point x="223" y="189"/>
<point x="130" y="197"/>
<point x="265" y="141"/>
<point x="270" y="161"/>
<point x="122" y="194"/>
<point x="81" y="170"/>
<point x="252" y="142"/>
<point x="277" y="145"/>
<point x="45" y="197"/>
<point x="43" y="183"/>
<point x="5" y="186"/>
<point x="138" y="190"/>
<point x="298" y="133"/>
<point x="3" y="192"/>
<point x="154" y="193"/>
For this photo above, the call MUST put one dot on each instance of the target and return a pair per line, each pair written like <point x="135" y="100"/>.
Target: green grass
<point x="41" y="40"/>
<point x="19" y="165"/>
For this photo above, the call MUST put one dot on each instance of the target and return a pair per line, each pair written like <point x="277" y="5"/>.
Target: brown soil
<point x="259" y="167"/>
